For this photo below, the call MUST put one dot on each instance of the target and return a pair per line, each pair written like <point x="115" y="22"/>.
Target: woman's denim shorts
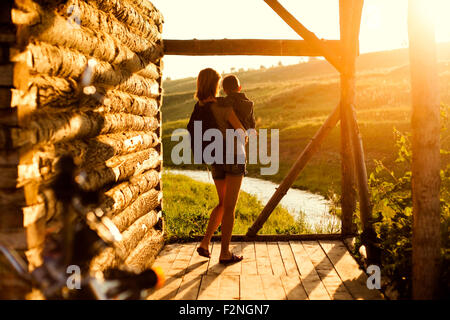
<point x="219" y="171"/>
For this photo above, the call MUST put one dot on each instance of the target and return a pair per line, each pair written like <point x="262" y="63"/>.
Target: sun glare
<point x="383" y="27"/>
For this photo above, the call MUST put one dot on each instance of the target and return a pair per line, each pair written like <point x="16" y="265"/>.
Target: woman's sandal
<point x="234" y="258"/>
<point x="203" y="252"/>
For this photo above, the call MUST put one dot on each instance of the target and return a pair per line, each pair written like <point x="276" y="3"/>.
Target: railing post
<point x="348" y="95"/>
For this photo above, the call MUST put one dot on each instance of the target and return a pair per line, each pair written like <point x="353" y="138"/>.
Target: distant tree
<point x="262" y="67"/>
<point x="304" y="60"/>
<point x="280" y="63"/>
<point x="232" y="69"/>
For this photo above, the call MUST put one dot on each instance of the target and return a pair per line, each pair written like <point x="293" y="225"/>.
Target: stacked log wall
<point x="12" y="199"/>
<point x="82" y="78"/>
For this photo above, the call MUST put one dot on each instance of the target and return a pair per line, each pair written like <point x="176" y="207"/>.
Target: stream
<point x="314" y="207"/>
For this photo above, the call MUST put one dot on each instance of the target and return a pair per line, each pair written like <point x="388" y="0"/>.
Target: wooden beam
<point x="295" y="170"/>
<point x="277" y="237"/>
<point x="307" y="35"/>
<point x="248" y="47"/>
<point x="425" y="167"/>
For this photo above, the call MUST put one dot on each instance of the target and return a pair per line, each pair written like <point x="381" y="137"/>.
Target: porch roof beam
<point x="259" y="47"/>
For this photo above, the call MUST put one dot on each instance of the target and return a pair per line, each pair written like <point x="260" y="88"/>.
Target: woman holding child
<point x="227" y="176"/>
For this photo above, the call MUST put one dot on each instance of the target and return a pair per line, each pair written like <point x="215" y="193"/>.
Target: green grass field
<point x="188" y="213"/>
<point x="297" y="99"/>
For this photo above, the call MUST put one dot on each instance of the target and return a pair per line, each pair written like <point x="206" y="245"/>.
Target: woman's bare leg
<point x="216" y="215"/>
<point x="233" y="185"/>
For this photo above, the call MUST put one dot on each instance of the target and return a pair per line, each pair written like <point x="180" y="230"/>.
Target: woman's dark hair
<point x="207" y="84"/>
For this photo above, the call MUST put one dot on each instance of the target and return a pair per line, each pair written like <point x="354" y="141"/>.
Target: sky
<point x="383" y="27"/>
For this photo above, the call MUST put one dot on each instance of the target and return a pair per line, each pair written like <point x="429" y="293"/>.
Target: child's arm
<point x="234" y="121"/>
<point x="252" y="119"/>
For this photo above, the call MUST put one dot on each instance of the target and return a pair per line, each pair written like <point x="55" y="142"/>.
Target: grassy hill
<point x="297" y="99"/>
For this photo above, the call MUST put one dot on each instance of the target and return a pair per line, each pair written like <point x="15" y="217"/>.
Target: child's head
<point x="231" y="84"/>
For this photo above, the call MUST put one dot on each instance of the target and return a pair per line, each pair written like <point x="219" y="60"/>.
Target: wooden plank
<point x="249" y="263"/>
<point x="168" y="253"/>
<point x="165" y="259"/>
<point x="275" y="259"/>
<point x="189" y="287"/>
<point x="168" y="291"/>
<point x="235" y="268"/>
<point x="326" y="271"/>
<point x="310" y="278"/>
<point x="182" y="259"/>
<point x="273" y="287"/>
<point x="228" y="287"/>
<point x="198" y="264"/>
<point x="288" y="259"/>
<point x="252" y="287"/>
<point x="214" y="266"/>
<point x="293" y="287"/>
<point x="295" y="170"/>
<point x="259" y="47"/>
<point x="209" y="288"/>
<point x="262" y="258"/>
<point x="276" y="237"/>
<point x="348" y="269"/>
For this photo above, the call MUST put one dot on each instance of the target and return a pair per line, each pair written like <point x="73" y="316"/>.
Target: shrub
<point x="391" y="196"/>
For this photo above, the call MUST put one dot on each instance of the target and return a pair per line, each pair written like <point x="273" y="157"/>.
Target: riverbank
<point x="188" y="203"/>
<point x="312" y="208"/>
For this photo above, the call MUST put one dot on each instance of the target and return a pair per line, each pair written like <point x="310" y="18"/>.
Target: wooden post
<point x="425" y="151"/>
<point x="295" y="170"/>
<point x="307" y="35"/>
<point x="351" y="34"/>
<point x="348" y="194"/>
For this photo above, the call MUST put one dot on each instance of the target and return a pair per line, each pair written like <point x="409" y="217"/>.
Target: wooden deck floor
<point x="295" y="270"/>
